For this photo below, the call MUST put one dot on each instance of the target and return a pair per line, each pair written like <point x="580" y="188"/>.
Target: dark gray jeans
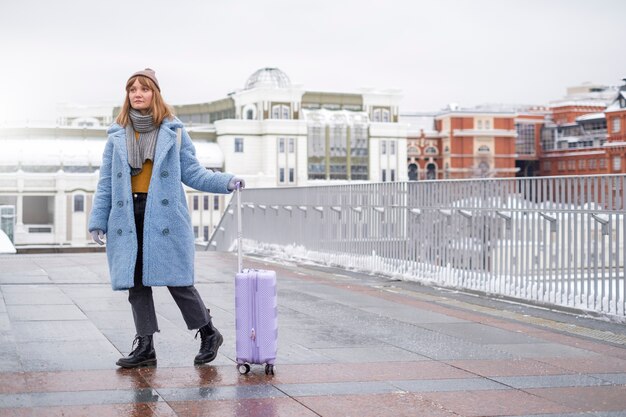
<point x="140" y="297"/>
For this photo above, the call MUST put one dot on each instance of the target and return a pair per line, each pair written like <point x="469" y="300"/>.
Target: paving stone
<point x="379" y="353"/>
<point x="46" y="312"/>
<point x="220" y="393"/>
<point x="376" y="405"/>
<point x="586" y="399"/>
<point x="12" y="278"/>
<point x="337" y="388"/>
<point x="517" y="367"/>
<point x="550" y="381"/>
<point x="274" y="407"/>
<point x="154" y="409"/>
<point x="33" y="294"/>
<point x="495" y="403"/>
<point x="481" y="334"/>
<point x="9" y="359"/>
<point x="51" y="399"/>
<point x="617" y="379"/>
<point x="442" y="385"/>
<point x="63" y="331"/>
<point x="411" y="315"/>
<point x="65" y="381"/>
<point x="5" y="323"/>
<point x="540" y="350"/>
<point x="592" y="363"/>
<point x="67" y="355"/>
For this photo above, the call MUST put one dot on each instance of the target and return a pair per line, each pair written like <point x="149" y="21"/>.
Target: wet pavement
<point x="349" y="345"/>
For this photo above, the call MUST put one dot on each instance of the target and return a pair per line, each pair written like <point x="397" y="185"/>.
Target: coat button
<point x="164" y="174"/>
<point x="120" y="203"/>
<point x="119" y="232"/>
<point x="119" y="175"/>
<point x="166" y="231"/>
<point x="165" y="202"/>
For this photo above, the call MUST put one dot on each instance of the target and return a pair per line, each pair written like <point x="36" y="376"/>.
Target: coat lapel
<point x="165" y="141"/>
<point x="120" y="145"/>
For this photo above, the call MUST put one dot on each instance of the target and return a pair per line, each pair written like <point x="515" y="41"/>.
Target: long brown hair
<point x="158" y="108"/>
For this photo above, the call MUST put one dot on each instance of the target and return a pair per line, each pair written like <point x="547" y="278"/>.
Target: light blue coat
<point x="168" y="239"/>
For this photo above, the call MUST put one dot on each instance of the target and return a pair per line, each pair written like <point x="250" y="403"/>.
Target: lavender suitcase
<point x="256" y="318"/>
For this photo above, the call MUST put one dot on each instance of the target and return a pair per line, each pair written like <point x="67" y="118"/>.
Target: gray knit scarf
<point x="142" y="149"/>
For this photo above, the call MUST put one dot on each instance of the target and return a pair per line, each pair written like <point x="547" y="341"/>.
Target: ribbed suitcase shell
<point x="256" y="316"/>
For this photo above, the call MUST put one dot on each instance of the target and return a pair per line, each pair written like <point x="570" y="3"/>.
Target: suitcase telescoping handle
<point x="239" y="227"/>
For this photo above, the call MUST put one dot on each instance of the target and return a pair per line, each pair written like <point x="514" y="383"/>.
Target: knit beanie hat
<point x="148" y="72"/>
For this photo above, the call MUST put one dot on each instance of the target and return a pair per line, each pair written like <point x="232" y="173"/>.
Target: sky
<point x="437" y="52"/>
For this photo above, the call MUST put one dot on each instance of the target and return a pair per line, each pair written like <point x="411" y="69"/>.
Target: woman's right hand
<point x="97" y="236"/>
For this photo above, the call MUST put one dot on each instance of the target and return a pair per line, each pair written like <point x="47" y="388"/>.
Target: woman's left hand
<point x="232" y="184"/>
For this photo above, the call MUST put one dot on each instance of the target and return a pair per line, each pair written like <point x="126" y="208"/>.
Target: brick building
<point x="584" y="136"/>
<point x="477" y="143"/>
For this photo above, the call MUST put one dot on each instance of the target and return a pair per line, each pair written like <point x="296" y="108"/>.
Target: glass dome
<point x="268" y="77"/>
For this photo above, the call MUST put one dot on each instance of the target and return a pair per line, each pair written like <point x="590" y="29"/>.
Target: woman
<point x="140" y="205"/>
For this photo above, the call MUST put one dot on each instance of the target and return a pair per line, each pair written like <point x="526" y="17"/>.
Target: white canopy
<point x="55" y="151"/>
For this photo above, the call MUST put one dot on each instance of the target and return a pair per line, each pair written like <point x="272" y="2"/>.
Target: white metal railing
<point x="552" y="240"/>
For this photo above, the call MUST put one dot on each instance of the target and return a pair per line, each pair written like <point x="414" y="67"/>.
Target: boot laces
<point x="204" y="338"/>
<point x="138" y="342"/>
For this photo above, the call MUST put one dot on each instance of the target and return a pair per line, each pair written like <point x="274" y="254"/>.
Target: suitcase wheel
<point x="269" y="369"/>
<point x="243" y="368"/>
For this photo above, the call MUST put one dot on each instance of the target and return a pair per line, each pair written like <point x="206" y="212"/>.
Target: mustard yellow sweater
<point x="141" y="182"/>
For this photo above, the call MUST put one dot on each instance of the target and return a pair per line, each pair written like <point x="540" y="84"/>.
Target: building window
<point x="547" y="166"/>
<point x="446" y="149"/>
<point x="292" y="175"/>
<point x="525" y="141"/>
<point x="617" y="163"/>
<point x="216" y="202"/>
<point x="292" y="145"/>
<point x="79" y="203"/>
<point x="480" y="124"/>
<point x="331" y="135"/>
<point x="281" y="177"/>
<point x="602" y="163"/>
<point x="581" y="164"/>
<point x="431" y="150"/>
<point x="487" y="124"/>
<point x="483" y="169"/>
<point x="205" y="202"/>
<point x="359" y="152"/>
<point x="381" y="115"/>
<point x="205" y="232"/>
<point x="548" y="138"/>
<point x="561" y="165"/>
<point x="316" y="143"/>
<point x="196" y="201"/>
<point x="413" y="172"/>
<point x="431" y="172"/>
<point x="383" y="147"/>
<point x="238" y="145"/>
<point x="413" y="150"/>
<point x="484" y="149"/>
<point x="616" y="125"/>
<point x="249" y="114"/>
<point x="281" y="145"/>
<point x="195" y="231"/>
<point x="280" y="111"/>
<point x="393" y="175"/>
<point x="392" y="148"/>
<point x="571" y="165"/>
<point x="593" y="164"/>
<point x="384" y="175"/>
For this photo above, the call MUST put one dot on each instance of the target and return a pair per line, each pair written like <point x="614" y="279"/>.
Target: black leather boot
<point x="142" y="355"/>
<point x="210" y="341"/>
